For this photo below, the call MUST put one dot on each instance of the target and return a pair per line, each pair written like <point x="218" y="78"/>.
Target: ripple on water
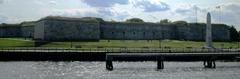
<point x="122" y="70"/>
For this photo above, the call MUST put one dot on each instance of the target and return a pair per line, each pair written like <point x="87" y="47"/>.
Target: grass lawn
<point x="20" y="42"/>
<point x="16" y="42"/>
<point x="140" y="44"/>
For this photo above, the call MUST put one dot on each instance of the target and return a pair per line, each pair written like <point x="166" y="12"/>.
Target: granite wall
<point x="77" y="29"/>
<point x="10" y="30"/>
<point x="27" y="29"/>
<point x="220" y="32"/>
<point x="154" y="31"/>
<point x="39" y="30"/>
<point x="142" y="31"/>
<point x="62" y="29"/>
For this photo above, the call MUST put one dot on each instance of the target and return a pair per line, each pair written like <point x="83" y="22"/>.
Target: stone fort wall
<point x="154" y="31"/>
<point x="17" y="30"/>
<point x="27" y="29"/>
<point x="62" y="30"/>
<point x="134" y="31"/>
<point x="77" y="29"/>
<point x="10" y="30"/>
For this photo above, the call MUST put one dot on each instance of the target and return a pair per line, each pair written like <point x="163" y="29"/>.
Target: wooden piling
<point x="109" y="65"/>
<point x="209" y="64"/>
<point x="205" y="64"/>
<point x="160" y="64"/>
<point x="214" y="64"/>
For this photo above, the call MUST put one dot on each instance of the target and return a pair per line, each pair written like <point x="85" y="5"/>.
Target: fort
<point x="64" y="28"/>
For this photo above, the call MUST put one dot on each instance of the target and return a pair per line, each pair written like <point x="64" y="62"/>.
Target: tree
<point x="234" y="36"/>
<point x="165" y="21"/>
<point x="135" y="20"/>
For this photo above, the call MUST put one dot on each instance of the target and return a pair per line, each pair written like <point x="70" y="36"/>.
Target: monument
<point x="208" y="40"/>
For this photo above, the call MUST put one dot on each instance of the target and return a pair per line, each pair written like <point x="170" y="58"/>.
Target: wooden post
<point x="213" y="61"/>
<point x="209" y="64"/>
<point x="109" y="65"/>
<point x="214" y="64"/>
<point x="160" y="64"/>
<point x="205" y="64"/>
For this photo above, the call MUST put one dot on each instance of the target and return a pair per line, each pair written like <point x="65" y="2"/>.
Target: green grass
<point x="15" y="42"/>
<point x="20" y="42"/>
<point x="140" y="44"/>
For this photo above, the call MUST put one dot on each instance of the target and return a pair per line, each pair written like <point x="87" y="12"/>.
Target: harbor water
<point x="122" y="70"/>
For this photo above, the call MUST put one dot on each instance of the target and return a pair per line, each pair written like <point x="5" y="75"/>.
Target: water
<point x="122" y="70"/>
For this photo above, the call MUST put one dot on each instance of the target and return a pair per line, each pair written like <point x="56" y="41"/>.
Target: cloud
<point x="105" y="12"/>
<point x="73" y="12"/>
<point x="15" y="11"/>
<point x="1" y="1"/>
<point x="29" y="10"/>
<point x="104" y="3"/>
<point x="85" y="12"/>
<point x="151" y="6"/>
<point x="186" y="9"/>
<point x="3" y="19"/>
<point x="227" y="13"/>
<point x="190" y="13"/>
<point x="52" y="2"/>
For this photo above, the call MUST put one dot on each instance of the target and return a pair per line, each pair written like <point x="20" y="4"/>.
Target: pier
<point x="207" y="58"/>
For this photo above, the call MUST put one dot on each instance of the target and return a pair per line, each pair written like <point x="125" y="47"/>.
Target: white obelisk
<point x="208" y="40"/>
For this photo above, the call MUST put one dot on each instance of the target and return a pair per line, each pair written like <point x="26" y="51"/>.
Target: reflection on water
<point x="122" y="70"/>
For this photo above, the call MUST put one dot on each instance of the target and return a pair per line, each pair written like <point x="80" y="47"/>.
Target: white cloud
<point x="27" y="10"/>
<point x="1" y="1"/>
<point x="52" y="2"/>
<point x="151" y="5"/>
<point x="73" y="12"/>
<point x="13" y="11"/>
<point x="190" y="12"/>
<point x="104" y="3"/>
<point x="3" y="19"/>
<point x="227" y="13"/>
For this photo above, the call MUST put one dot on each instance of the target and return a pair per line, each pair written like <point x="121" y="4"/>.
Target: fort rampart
<point x="58" y="29"/>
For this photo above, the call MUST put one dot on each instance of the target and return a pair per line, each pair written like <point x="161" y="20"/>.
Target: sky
<point x="222" y="11"/>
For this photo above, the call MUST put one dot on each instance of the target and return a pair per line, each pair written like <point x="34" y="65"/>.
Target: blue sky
<point x="223" y="11"/>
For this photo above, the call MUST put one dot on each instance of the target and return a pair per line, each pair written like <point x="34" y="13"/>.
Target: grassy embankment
<point x="20" y="42"/>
